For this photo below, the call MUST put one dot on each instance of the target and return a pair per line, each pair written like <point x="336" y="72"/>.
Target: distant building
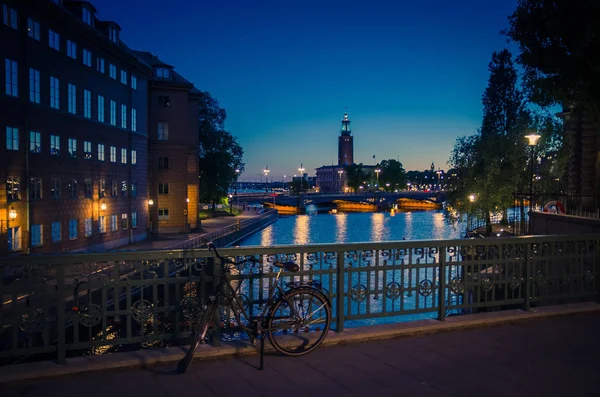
<point x="331" y="178"/>
<point x="73" y="161"/>
<point x="173" y="155"/>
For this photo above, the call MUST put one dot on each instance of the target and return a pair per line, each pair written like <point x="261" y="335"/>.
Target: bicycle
<point x="287" y="315"/>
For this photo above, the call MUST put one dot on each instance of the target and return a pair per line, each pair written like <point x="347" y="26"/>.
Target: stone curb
<point x="144" y="358"/>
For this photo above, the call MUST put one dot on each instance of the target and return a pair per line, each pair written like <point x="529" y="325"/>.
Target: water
<point x="356" y="228"/>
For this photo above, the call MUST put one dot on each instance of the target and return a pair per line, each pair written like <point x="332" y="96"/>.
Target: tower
<point x="345" y="143"/>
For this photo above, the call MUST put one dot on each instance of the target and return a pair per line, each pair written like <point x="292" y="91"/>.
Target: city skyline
<point x="412" y="78"/>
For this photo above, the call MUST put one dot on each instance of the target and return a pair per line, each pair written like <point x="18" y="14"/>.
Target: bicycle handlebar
<point x="212" y="248"/>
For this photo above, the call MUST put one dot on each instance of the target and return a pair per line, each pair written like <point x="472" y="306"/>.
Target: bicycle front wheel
<point x="199" y="334"/>
<point x="299" y="321"/>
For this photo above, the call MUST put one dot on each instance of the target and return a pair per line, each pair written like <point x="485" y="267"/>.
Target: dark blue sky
<point x="411" y="72"/>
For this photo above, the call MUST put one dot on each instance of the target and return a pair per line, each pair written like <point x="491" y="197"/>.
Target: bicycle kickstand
<point x="262" y="350"/>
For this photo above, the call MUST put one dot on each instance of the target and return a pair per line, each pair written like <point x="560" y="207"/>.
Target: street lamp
<point x="439" y="174"/>
<point x="237" y="175"/>
<point x="532" y="140"/>
<point x="150" y="204"/>
<point x="472" y="198"/>
<point x="377" y="171"/>
<point x="266" y="171"/>
<point x="340" y="173"/>
<point x="230" y="204"/>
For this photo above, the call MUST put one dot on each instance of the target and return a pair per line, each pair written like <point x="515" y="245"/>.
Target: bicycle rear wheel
<point x="299" y="321"/>
<point x="199" y="334"/>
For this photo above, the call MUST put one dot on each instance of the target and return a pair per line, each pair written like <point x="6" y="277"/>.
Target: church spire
<point x="346" y="125"/>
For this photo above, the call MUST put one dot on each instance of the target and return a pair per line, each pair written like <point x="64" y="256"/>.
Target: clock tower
<point x="345" y="143"/>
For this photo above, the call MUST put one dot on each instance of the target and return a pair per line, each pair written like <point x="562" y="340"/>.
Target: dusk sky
<point x="410" y="72"/>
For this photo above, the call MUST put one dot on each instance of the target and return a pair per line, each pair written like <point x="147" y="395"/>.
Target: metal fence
<point x="134" y="300"/>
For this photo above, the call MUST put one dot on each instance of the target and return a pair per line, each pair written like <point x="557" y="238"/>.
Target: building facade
<point x="173" y="149"/>
<point x="331" y="178"/>
<point x="73" y="161"/>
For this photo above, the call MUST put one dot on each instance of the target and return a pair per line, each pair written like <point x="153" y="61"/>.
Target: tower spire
<point x="345" y="142"/>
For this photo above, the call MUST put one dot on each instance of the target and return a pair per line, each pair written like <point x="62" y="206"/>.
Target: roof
<point x="153" y="61"/>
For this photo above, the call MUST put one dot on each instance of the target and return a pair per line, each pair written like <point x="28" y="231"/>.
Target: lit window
<point x="163" y="214"/>
<point x="100" y="65"/>
<point x="72" y="147"/>
<point x="87" y="58"/>
<point x="101" y="224"/>
<point x="134" y="82"/>
<point x="87" y="225"/>
<point x="134" y="188"/>
<point x="72" y="99"/>
<point x="12" y="78"/>
<point x="13" y="190"/>
<point x="134" y="219"/>
<point x="123" y="156"/>
<point x="100" y="152"/>
<point x="87" y="150"/>
<point x="10" y="16"/>
<point x="113" y="113"/>
<point x="113" y="223"/>
<point x="133" y="120"/>
<point x="55" y="232"/>
<point x="37" y="237"/>
<point x="124" y="77"/>
<point x="87" y="104"/>
<point x="123" y="116"/>
<point x="123" y="188"/>
<point x="12" y="138"/>
<point x="54" y="40"/>
<point x="35" y="142"/>
<point x="34" y="85"/>
<point x="72" y="229"/>
<point x="33" y="29"/>
<point x="101" y="108"/>
<point x="112" y="71"/>
<point x="71" y="49"/>
<point x="163" y="131"/>
<point x="54" y="145"/>
<point x="113" y="154"/>
<point x="102" y="188"/>
<point x="86" y="16"/>
<point x="54" y="93"/>
<point x="134" y="157"/>
<point x="124" y="223"/>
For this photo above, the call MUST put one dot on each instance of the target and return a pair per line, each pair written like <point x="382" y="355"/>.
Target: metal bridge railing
<point x="130" y="300"/>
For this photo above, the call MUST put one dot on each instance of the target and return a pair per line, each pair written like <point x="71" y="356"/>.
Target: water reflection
<point x="341" y="221"/>
<point x="302" y="230"/>
<point x="377" y="227"/>
<point x="266" y="237"/>
<point x="438" y="226"/>
<point x="408" y="226"/>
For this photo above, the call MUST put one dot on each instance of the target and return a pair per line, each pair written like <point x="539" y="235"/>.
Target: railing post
<point x="442" y="286"/>
<point x="340" y="296"/>
<point x="61" y="346"/>
<point x="527" y="276"/>
<point x="217" y="331"/>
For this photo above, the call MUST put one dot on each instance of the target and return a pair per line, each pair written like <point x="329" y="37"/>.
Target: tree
<point x="355" y="176"/>
<point x="220" y="155"/>
<point x="392" y="173"/>
<point x="492" y="161"/>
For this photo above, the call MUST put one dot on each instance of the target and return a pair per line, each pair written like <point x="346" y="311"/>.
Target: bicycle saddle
<point x="289" y="266"/>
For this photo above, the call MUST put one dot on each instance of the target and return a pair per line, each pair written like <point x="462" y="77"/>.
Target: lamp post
<point x="439" y="174"/>
<point x="150" y="204"/>
<point x="532" y="140"/>
<point x="230" y="204"/>
<point x="12" y="215"/>
<point x="340" y="173"/>
<point x="301" y="169"/>
<point x="472" y="198"/>
<point x="266" y="171"/>
<point x="237" y="175"/>
<point x="377" y="171"/>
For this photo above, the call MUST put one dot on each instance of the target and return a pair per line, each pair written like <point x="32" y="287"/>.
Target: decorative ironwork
<point x="393" y="290"/>
<point x="142" y="310"/>
<point x="513" y="281"/>
<point x="457" y="286"/>
<point x="486" y="283"/>
<point x="190" y="307"/>
<point x="588" y="275"/>
<point x="90" y="315"/>
<point x="425" y="288"/>
<point x="358" y="293"/>
<point x="32" y="321"/>
<point x="540" y="279"/>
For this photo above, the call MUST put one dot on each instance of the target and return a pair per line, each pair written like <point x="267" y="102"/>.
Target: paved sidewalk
<point x="546" y="357"/>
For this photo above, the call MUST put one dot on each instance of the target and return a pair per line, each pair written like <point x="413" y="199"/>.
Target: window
<point x="54" y="93"/>
<point x="14" y="238"/>
<point x="100" y="152"/>
<point x="163" y="214"/>
<point x="101" y="108"/>
<point x="72" y="147"/>
<point x="72" y="99"/>
<point x="100" y="65"/>
<point x="163" y="163"/>
<point x="123" y="156"/>
<point x="134" y="219"/>
<point x="87" y="58"/>
<point x="113" y="154"/>
<point x="72" y="229"/>
<point x="87" y="104"/>
<point x="13" y="187"/>
<point x="123" y="116"/>
<point x="35" y="188"/>
<point x="55" y="232"/>
<point x="124" y="188"/>
<point x="87" y="226"/>
<point x="87" y="188"/>
<point x="72" y="188"/>
<point x="133" y="82"/>
<point x="124" y="223"/>
<point x="123" y="77"/>
<point x="101" y="224"/>
<point x="12" y="138"/>
<point x="163" y="100"/>
<point x="12" y="78"/>
<point x="55" y="188"/>
<point x="133" y="120"/>
<point x="35" y="142"/>
<point x="134" y="157"/>
<point x="37" y="236"/>
<point x="162" y="73"/>
<point x="53" y="40"/>
<point x="10" y="16"/>
<point x="34" y="85"/>
<point x="134" y="188"/>
<point x="163" y="188"/>
<point x="112" y="34"/>
<point x="102" y="188"/>
<point x="71" y="49"/>
<point x="113" y="112"/>
<point x="33" y="29"/>
<point x="113" y="223"/>
<point x="54" y="145"/>
<point x="86" y="16"/>
<point x="114" y="188"/>
<point x="112" y="71"/>
<point x="163" y="131"/>
<point x="87" y="150"/>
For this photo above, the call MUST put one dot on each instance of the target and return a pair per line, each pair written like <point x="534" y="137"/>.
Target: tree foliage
<point x="220" y="154"/>
<point x="392" y="173"/>
<point x="355" y="176"/>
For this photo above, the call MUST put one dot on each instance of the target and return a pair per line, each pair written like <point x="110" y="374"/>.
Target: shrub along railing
<point x="130" y="300"/>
